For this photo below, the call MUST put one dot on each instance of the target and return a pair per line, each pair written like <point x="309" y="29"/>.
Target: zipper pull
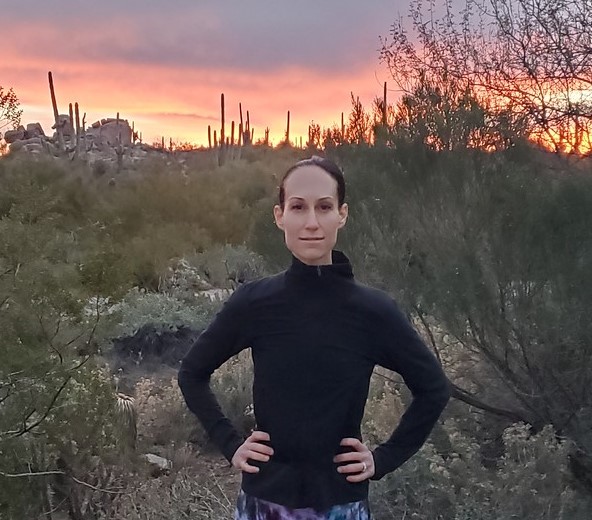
<point x="319" y="270"/>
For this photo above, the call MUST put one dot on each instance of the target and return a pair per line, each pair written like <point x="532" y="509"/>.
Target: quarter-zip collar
<point x="340" y="269"/>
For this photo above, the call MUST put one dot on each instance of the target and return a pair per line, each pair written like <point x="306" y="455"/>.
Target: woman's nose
<point x="311" y="220"/>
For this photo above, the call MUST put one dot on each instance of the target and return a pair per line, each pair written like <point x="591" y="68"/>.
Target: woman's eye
<point x="326" y="207"/>
<point x="297" y="206"/>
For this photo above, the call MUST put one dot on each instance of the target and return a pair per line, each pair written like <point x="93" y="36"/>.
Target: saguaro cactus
<point x="119" y="148"/>
<point x="222" y="129"/>
<point x="288" y="129"/>
<point x="248" y="131"/>
<point x="384" y="112"/>
<point x="78" y="130"/>
<point x="61" y="145"/>
<point x="71" y="114"/>
<point x="241" y="125"/>
<point x="222" y="151"/>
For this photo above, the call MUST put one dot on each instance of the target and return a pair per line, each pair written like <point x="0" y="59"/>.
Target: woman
<point x="315" y="336"/>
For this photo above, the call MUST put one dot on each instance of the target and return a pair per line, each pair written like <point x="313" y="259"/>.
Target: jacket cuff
<point x="230" y="449"/>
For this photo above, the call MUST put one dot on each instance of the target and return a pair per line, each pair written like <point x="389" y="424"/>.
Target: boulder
<point x="160" y="464"/>
<point x="10" y="136"/>
<point x="34" y="130"/>
<point x="34" y="148"/>
<point x="110" y="132"/>
<point x="32" y="140"/>
<point x="17" y="145"/>
<point x="65" y="125"/>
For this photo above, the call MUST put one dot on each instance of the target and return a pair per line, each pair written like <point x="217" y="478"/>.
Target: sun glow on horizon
<point x="185" y="115"/>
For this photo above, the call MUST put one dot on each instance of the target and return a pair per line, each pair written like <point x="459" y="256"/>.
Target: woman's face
<point x="311" y="215"/>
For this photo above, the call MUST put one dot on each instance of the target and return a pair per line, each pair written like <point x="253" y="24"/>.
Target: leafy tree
<point x="490" y="254"/>
<point x="443" y="115"/>
<point x="10" y="112"/>
<point x="531" y="58"/>
<point x="57" y="407"/>
<point x="314" y="136"/>
<point x="359" y="127"/>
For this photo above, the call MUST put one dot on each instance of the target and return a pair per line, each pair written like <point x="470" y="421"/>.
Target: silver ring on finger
<point x="364" y="467"/>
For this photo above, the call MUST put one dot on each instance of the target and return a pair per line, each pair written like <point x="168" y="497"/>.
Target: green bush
<point x="530" y="481"/>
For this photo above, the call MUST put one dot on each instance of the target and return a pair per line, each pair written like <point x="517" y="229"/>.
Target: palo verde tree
<point x="10" y="112"/>
<point x="56" y="406"/>
<point x="530" y="58"/>
<point x="490" y="252"/>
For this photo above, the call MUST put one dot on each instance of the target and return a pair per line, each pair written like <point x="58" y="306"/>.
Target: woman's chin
<point x="313" y="257"/>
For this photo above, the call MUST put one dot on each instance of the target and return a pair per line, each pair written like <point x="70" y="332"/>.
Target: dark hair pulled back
<point x="325" y="164"/>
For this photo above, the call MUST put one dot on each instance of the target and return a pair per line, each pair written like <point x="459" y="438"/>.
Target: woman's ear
<point x="343" y="213"/>
<point x="278" y="215"/>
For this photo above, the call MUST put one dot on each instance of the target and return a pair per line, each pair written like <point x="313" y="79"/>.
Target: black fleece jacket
<point x="315" y="335"/>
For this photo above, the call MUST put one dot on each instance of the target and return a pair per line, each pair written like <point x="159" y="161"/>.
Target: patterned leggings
<point x="251" y="508"/>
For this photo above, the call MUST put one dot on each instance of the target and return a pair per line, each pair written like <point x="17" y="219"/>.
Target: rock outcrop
<point x="109" y="145"/>
<point x="34" y="130"/>
<point x="105" y="140"/>
<point x="66" y="126"/>
<point x="10" y="136"/>
<point x="110" y="132"/>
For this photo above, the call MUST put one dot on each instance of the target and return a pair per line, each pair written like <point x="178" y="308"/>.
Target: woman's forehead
<point x="310" y="181"/>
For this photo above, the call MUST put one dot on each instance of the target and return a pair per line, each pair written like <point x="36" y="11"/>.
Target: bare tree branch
<point x="30" y="427"/>
<point x="56" y="472"/>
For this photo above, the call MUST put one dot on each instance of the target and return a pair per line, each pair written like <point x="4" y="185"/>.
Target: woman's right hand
<point x="254" y="449"/>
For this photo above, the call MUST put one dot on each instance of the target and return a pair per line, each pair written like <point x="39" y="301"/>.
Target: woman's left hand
<point x="359" y="463"/>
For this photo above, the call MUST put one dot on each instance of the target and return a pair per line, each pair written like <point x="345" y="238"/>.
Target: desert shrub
<point x="139" y="308"/>
<point x="493" y="250"/>
<point x="179" y="495"/>
<point x="57" y="407"/>
<point x="384" y="408"/>
<point x="530" y="481"/>
<point x="266" y="239"/>
<point x="232" y="383"/>
<point x="72" y="431"/>
<point x="151" y="348"/>
<point x="164" y="421"/>
<point x="163" y="416"/>
<point x="227" y="266"/>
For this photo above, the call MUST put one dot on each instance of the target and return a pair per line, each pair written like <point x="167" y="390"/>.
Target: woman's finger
<point x="259" y="448"/>
<point x="255" y="455"/>
<point x="258" y="435"/>
<point x="354" y="443"/>
<point x="247" y="468"/>
<point x="356" y="467"/>
<point x="359" y="477"/>
<point x="348" y="457"/>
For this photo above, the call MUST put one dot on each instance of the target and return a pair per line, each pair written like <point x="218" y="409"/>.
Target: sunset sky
<point x="163" y="65"/>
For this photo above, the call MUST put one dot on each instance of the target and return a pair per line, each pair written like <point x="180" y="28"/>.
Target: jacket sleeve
<point x="225" y="336"/>
<point x="401" y="349"/>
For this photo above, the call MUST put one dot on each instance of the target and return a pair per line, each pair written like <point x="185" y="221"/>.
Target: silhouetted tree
<point x="359" y="127"/>
<point x="530" y="57"/>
